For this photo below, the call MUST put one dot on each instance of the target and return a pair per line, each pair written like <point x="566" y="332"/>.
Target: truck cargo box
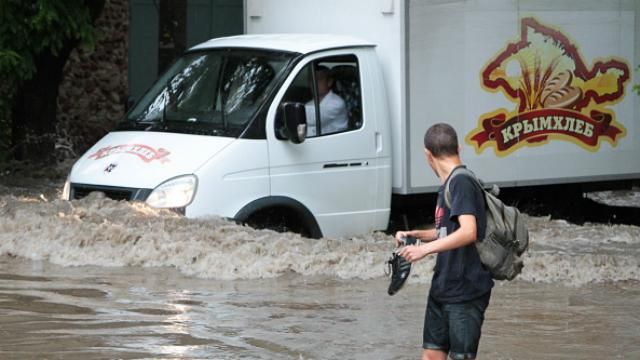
<point x="539" y="91"/>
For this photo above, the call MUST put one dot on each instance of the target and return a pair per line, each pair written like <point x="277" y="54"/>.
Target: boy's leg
<point x="435" y="336"/>
<point x="428" y="354"/>
<point x="465" y="324"/>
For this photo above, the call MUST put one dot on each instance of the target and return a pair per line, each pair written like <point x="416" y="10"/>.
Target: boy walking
<point x="461" y="286"/>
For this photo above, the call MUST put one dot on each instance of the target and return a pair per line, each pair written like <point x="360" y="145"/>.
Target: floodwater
<point x="99" y="279"/>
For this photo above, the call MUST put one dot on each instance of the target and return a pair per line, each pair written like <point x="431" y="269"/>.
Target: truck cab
<point x="238" y="127"/>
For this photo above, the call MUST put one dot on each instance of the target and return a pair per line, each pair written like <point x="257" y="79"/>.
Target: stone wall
<point x="94" y="91"/>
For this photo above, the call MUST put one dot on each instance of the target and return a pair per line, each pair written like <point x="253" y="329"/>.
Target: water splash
<point x="102" y="232"/>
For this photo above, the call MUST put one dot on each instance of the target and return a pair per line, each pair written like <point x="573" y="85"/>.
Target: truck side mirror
<point x="295" y="121"/>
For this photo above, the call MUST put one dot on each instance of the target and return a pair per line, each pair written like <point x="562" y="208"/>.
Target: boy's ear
<point x="428" y="154"/>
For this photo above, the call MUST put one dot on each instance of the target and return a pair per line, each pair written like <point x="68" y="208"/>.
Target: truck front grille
<point x="78" y="191"/>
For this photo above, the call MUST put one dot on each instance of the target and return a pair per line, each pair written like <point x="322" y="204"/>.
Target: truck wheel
<point x="280" y="220"/>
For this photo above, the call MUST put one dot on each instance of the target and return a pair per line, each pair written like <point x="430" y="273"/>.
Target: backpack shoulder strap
<point x="459" y="170"/>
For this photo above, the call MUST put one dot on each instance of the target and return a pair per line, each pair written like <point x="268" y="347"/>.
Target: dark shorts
<point x="454" y="328"/>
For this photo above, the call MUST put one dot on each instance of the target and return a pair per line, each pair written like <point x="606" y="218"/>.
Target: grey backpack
<point x="506" y="237"/>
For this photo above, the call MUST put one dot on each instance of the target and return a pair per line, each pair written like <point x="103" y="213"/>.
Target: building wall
<point x="94" y="91"/>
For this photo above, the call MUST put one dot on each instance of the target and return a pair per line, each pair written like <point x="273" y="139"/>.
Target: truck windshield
<point x="216" y="92"/>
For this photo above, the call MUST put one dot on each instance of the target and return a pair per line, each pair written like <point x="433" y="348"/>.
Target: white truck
<point x="539" y="92"/>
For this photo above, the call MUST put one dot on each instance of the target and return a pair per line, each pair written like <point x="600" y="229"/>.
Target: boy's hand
<point x="400" y="235"/>
<point x="414" y="253"/>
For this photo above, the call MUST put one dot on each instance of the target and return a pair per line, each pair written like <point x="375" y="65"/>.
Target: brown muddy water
<point x="99" y="279"/>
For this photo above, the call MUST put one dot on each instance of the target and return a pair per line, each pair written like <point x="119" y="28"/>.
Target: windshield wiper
<point x="154" y="126"/>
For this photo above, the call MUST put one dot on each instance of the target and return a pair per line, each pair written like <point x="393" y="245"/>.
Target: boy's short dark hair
<point x="441" y="140"/>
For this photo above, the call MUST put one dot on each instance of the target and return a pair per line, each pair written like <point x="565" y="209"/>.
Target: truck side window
<point x="330" y="90"/>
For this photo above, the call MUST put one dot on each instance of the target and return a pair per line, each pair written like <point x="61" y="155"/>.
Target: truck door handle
<point x="334" y="165"/>
<point x="338" y="165"/>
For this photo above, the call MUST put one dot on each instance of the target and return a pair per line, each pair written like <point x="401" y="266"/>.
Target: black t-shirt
<point x="459" y="275"/>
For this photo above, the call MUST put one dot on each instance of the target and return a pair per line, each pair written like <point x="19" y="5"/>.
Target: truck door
<point x="333" y="172"/>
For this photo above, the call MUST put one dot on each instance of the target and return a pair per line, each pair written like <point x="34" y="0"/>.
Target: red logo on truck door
<point x="144" y="152"/>
<point x="557" y="95"/>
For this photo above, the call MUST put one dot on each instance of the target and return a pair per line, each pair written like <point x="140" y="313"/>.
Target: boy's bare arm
<point x="422" y="235"/>
<point x="464" y="236"/>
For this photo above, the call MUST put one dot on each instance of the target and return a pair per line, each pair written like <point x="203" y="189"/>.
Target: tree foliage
<point x="37" y="36"/>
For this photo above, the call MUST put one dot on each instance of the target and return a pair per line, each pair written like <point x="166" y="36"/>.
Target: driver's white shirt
<point x="333" y="115"/>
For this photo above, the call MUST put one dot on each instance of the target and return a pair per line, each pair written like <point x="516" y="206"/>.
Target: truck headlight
<point x="174" y="193"/>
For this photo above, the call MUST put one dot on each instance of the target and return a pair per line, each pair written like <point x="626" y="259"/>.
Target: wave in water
<point x="101" y="232"/>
